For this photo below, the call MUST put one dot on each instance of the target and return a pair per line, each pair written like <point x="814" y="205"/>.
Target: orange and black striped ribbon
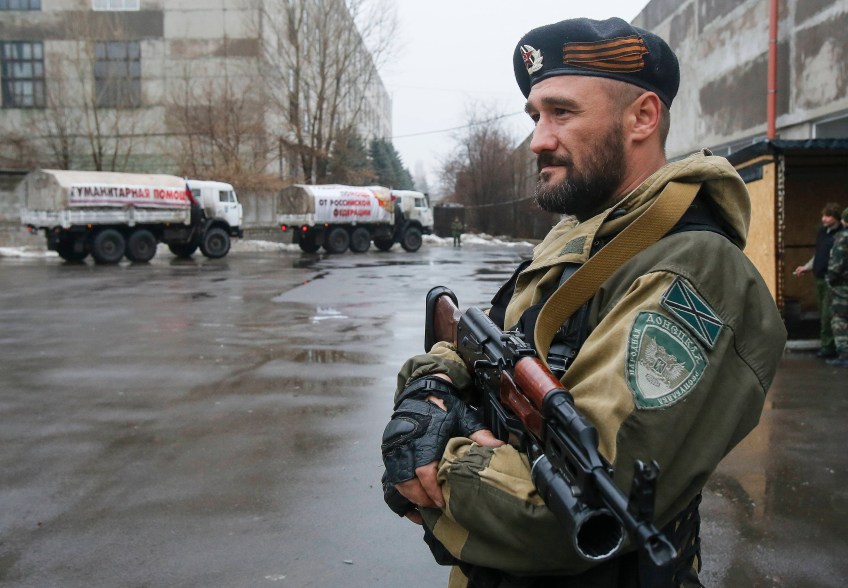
<point x="623" y="54"/>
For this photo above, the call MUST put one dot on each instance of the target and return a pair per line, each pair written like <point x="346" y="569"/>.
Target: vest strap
<point x="647" y="229"/>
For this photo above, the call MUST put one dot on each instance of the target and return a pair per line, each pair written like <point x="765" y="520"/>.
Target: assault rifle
<point x="524" y="404"/>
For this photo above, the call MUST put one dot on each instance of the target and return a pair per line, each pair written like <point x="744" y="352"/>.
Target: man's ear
<point x="644" y="116"/>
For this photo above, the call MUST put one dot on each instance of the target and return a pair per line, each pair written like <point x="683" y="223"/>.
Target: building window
<point x="20" y="4"/>
<point x="117" y="74"/>
<point x="22" y="69"/>
<point x="834" y="128"/>
<point x="114" y="5"/>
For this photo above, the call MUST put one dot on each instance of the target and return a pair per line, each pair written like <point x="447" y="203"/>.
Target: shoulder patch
<point x="664" y="363"/>
<point x="574" y="246"/>
<point x="683" y="302"/>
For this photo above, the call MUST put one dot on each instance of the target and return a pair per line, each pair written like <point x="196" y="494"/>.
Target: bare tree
<point x="319" y="70"/>
<point x="110" y="96"/>
<point x="220" y="131"/>
<point x="494" y="179"/>
<point x="480" y="172"/>
<point x="59" y="123"/>
<point x="91" y="116"/>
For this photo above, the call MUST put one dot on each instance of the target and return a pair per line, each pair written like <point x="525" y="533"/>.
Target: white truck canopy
<point x="51" y="190"/>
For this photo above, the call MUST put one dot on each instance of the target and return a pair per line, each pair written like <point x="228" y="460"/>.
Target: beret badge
<point x="532" y="58"/>
<point x="611" y="48"/>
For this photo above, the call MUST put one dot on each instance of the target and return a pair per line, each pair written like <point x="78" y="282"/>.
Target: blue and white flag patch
<point x="684" y="303"/>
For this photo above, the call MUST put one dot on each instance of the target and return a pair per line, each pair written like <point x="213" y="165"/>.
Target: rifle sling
<point x="647" y="229"/>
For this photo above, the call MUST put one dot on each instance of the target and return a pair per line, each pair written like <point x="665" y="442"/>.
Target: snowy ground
<point x="248" y="245"/>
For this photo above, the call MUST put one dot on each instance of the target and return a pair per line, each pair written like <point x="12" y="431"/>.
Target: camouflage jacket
<point x="684" y="341"/>
<point x="837" y="270"/>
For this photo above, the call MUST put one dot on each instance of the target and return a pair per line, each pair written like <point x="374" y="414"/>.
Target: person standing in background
<point x="456" y="230"/>
<point x="837" y="280"/>
<point x="818" y="265"/>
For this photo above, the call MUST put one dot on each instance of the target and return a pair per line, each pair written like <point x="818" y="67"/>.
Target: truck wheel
<point x="66" y="251"/>
<point x="411" y="240"/>
<point x="215" y="243"/>
<point x="383" y="244"/>
<point x="360" y="240"/>
<point x="183" y="249"/>
<point x="337" y="241"/>
<point x="307" y="243"/>
<point x="141" y="246"/>
<point x="108" y="246"/>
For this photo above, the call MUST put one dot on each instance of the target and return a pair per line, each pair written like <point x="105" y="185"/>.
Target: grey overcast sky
<point x="452" y="54"/>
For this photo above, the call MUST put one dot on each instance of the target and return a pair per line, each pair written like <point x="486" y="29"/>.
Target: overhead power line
<point x="504" y="203"/>
<point x="468" y="126"/>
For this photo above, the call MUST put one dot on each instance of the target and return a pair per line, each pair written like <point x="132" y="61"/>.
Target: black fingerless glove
<point x="395" y="500"/>
<point x="419" y="430"/>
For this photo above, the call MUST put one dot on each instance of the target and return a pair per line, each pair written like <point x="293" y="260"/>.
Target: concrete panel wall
<point x="209" y="24"/>
<point x="723" y="50"/>
<point x="210" y="43"/>
<point x="820" y="65"/>
<point x="259" y="210"/>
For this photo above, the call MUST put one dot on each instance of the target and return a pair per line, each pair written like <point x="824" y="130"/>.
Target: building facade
<point x="723" y="48"/>
<point x="159" y="85"/>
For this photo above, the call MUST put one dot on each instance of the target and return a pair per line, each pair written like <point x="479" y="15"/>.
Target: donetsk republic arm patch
<point x="683" y="302"/>
<point x="664" y="363"/>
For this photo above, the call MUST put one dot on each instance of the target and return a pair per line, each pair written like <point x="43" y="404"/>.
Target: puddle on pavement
<point x="329" y="356"/>
<point x="323" y="313"/>
<point x="318" y="276"/>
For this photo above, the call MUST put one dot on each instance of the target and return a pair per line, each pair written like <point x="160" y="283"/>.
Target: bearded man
<point x="670" y="360"/>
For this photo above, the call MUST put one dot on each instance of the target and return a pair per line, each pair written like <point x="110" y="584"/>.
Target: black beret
<point x="610" y="48"/>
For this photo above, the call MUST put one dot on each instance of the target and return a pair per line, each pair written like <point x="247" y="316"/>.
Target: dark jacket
<point x="824" y="243"/>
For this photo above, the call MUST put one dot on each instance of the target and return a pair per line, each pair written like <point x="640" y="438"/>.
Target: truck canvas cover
<point x="123" y="194"/>
<point x="339" y="204"/>
<point x="61" y="189"/>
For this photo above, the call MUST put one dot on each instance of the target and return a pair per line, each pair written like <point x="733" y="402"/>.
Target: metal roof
<point x="780" y="146"/>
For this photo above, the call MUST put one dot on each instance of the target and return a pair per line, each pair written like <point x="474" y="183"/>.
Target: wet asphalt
<point x="217" y="423"/>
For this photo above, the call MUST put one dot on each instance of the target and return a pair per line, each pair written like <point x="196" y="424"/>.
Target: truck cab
<point x="219" y="201"/>
<point x="416" y="207"/>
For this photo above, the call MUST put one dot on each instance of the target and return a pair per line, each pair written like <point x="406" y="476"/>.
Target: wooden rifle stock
<point x="524" y="404"/>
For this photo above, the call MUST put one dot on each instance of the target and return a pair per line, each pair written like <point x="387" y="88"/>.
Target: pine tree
<point x="349" y="162"/>
<point x="388" y="166"/>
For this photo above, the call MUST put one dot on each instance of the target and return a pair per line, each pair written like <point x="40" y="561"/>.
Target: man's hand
<point x="423" y="490"/>
<point x="427" y="416"/>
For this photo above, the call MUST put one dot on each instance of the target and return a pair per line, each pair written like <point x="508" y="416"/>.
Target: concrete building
<point x="723" y="48"/>
<point x="146" y="84"/>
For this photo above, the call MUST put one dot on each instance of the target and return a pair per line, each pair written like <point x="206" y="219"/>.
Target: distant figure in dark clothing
<point x="818" y="265"/>
<point x="456" y="229"/>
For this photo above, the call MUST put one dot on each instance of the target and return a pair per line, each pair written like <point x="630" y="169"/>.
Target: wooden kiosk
<point x="790" y="182"/>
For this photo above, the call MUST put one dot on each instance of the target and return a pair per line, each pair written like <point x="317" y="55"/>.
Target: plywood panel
<point x="762" y="246"/>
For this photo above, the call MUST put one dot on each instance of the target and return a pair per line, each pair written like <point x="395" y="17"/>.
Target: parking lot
<point x="217" y="423"/>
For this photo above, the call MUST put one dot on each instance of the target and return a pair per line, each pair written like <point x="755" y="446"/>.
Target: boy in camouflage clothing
<point x="837" y="279"/>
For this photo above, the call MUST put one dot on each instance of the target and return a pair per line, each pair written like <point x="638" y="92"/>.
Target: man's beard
<point x="588" y="190"/>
